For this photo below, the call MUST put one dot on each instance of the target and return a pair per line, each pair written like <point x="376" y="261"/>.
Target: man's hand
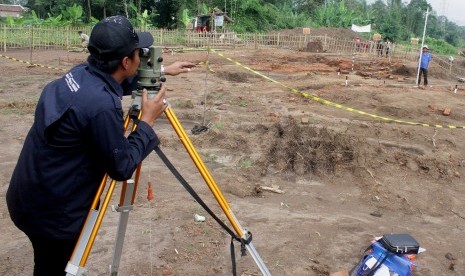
<point x="178" y="67"/>
<point x="153" y="108"/>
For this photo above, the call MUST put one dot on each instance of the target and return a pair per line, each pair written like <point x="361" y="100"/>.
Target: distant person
<point x="84" y="39"/>
<point x="358" y="43"/>
<point x="424" y="63"/>
<point x="379" y="48"/>
<point x="388" y="47"/>
<point x="370" y="46"/>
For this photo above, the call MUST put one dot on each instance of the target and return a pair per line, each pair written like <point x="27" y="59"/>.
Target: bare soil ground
<point x="346" y="177"/>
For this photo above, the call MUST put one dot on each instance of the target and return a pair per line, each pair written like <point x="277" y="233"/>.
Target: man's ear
<point x="124" y="62"/>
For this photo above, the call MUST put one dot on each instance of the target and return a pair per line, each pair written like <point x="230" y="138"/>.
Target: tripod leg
<point x="214" y="188"/>
<point x="124" y="208"/>
<point x="86" y="239"/>
<point x="126" y="204"/>
<point x="75" y="266"/>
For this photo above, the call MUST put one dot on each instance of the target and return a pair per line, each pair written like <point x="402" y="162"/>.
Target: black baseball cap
<point x="114" y="38"/>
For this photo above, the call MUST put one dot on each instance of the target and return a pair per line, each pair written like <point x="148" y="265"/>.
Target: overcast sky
<point x="454" y="9"/>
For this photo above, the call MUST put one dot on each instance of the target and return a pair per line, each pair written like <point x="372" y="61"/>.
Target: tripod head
<point x="150" y="74"/>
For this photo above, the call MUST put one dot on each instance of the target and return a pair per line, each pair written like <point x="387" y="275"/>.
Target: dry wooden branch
<point x="273" y="188"/>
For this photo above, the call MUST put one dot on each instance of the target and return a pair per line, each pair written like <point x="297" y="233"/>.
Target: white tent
<point x="361" y="29"/>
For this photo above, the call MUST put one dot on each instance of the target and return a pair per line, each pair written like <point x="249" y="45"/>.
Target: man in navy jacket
<point x="77" y="137"/>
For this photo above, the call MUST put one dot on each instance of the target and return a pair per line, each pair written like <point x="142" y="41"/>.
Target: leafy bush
<point x="440" y="46"/>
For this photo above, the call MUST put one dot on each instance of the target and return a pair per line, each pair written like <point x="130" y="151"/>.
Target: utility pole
<point x="422" y="44"/>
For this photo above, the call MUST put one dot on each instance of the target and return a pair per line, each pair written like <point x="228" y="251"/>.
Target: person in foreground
<point x="77" y="136"/>
<point x="424" y="63"/>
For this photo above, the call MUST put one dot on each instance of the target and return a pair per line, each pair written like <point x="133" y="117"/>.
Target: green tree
<point x="142" y="19"/>
<point x="394" y="19"/>
<point x="391" y="26"/>
<point x="185" y="18"/>
<point x="414" y="17"/>
<point x="101" y="4"/>
<point x="73" y="14"/>
<point x="168" y="12"/>
<point x="251" y="17"/>
<point x="89" y="10"/>
<point x="335" y="14"/>
<point x="308" y="6"/>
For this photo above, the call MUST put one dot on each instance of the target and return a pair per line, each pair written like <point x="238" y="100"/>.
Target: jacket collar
<point x="112" y="84"/>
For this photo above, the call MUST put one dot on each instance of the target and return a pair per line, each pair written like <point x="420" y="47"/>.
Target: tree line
<point x="395" y="20"/>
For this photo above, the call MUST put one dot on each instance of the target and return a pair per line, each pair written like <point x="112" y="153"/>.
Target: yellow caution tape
<point x="333" y="104"/>
<point x="33" y="64"/>
<point x="207" y="65"/>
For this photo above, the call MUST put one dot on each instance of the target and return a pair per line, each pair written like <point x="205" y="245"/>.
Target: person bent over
<point x="77" y="137"/>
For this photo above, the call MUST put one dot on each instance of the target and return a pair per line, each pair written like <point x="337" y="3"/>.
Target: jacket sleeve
<point x="120" y="155"/>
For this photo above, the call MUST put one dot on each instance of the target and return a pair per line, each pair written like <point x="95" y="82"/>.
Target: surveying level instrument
<point x="150" y="77"/>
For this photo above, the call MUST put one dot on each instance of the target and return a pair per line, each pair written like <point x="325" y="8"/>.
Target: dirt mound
<point x="403" y="70"/>
<point x="235" y="76"/>
<point x="314" y="47"/>
<point x="331" y="32"/>
<point x="309" y="149"/>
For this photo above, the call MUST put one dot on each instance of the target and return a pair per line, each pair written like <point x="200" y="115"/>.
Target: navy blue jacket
<point x="76" y="138"/>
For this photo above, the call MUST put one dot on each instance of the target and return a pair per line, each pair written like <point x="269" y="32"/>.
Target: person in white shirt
<point x="84" y="39"/>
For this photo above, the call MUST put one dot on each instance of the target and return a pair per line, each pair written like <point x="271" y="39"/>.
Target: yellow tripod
<point x="150" y="76"/>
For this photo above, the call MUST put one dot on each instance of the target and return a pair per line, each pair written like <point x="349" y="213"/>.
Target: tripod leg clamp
<point x="244" y="242"/>
<point x="134" y="113"/>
